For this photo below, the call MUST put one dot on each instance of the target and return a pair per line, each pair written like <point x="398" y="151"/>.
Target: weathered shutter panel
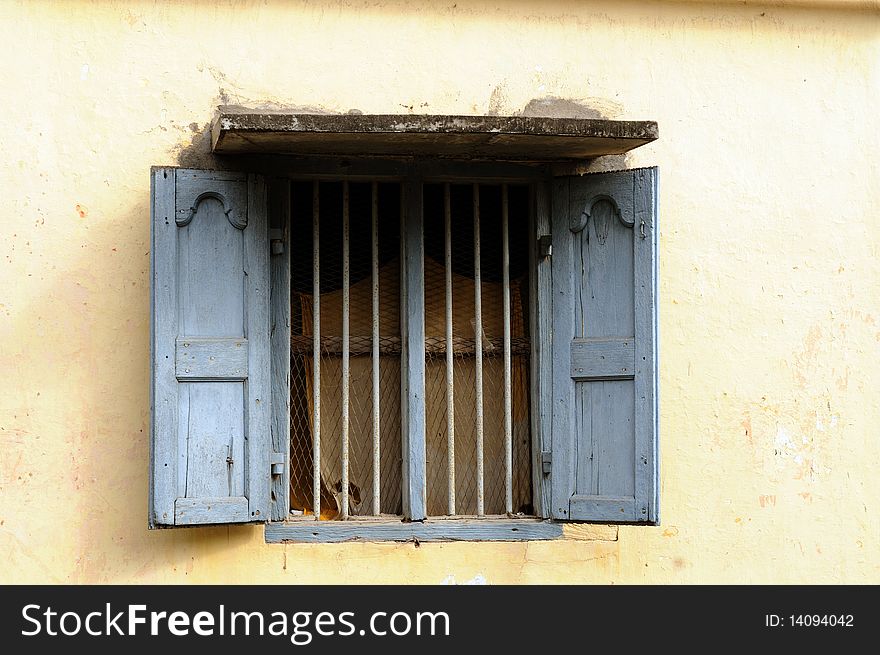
<point x="210" y="441"/>
<point x="604" y="417"/>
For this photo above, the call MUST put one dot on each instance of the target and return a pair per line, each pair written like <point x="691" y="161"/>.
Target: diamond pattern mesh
<point x="360" y="368"/>
<point x="464" y="368"/>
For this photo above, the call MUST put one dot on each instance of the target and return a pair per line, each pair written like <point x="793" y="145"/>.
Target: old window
<point x="407" y="349"/>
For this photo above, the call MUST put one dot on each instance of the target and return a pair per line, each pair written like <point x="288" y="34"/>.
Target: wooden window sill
<point x="382" y="529"/>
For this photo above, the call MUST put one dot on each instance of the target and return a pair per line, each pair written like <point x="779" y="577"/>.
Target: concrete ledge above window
<point x="502" y="529"/>
<point x="510" y="138"/>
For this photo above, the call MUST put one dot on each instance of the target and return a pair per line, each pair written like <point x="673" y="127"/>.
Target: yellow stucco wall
<point x="769" y="245"/>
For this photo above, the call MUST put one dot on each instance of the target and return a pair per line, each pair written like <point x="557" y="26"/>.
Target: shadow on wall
<point x="554" y="107"/>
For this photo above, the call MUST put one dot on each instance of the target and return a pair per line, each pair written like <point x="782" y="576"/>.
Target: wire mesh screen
<point x="326" y="202"/>
<point x="453" y="476"/>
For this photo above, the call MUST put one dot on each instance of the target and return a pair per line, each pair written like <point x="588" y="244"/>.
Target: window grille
<point x="345" y="455"/>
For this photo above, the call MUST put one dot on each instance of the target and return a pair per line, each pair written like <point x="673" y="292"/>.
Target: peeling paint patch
<point x="767" y="500"/>
<point x="478" y="579"/>
<point x="783" y="442"/>
<point x="786" y="449"/>
<point x="498" y="101"/>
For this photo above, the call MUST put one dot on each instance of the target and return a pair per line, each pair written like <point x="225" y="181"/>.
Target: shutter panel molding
<point x="211" y="402"/>
<point x="604" y="389"/>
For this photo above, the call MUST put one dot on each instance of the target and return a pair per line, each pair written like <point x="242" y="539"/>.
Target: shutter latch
<point x="545" y="246"/>
<point x="546" y="462"/>
<point x="276" y="239"/>
<point x="277" y="462"/>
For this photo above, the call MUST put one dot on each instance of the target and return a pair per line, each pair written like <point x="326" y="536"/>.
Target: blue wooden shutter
<point x="210" y="438"/>
<point x="604" y="417"/>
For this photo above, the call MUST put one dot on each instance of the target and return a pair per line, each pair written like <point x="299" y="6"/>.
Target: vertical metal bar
<point x="508" y="413"/>
<point x="345" y="348"/>
<point x="376" y="445"/>
<point x="316" y="349"/>
<point x="478" y="350"/>
<point x="450" y="394"/>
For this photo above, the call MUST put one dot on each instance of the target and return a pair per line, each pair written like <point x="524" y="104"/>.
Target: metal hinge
<point x="276" y="239"/>
<point x="546" y="462"/>
<point x="545" y="246"/>
<point x="276" y="460"/>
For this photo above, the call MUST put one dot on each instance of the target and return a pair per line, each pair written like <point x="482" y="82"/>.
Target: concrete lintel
<point x="511" y="138"/>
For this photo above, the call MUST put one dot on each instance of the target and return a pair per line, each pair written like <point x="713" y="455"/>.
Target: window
<point x="523" y="301"/>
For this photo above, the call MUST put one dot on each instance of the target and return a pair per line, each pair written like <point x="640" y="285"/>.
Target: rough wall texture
<point x="769" y="246"/>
